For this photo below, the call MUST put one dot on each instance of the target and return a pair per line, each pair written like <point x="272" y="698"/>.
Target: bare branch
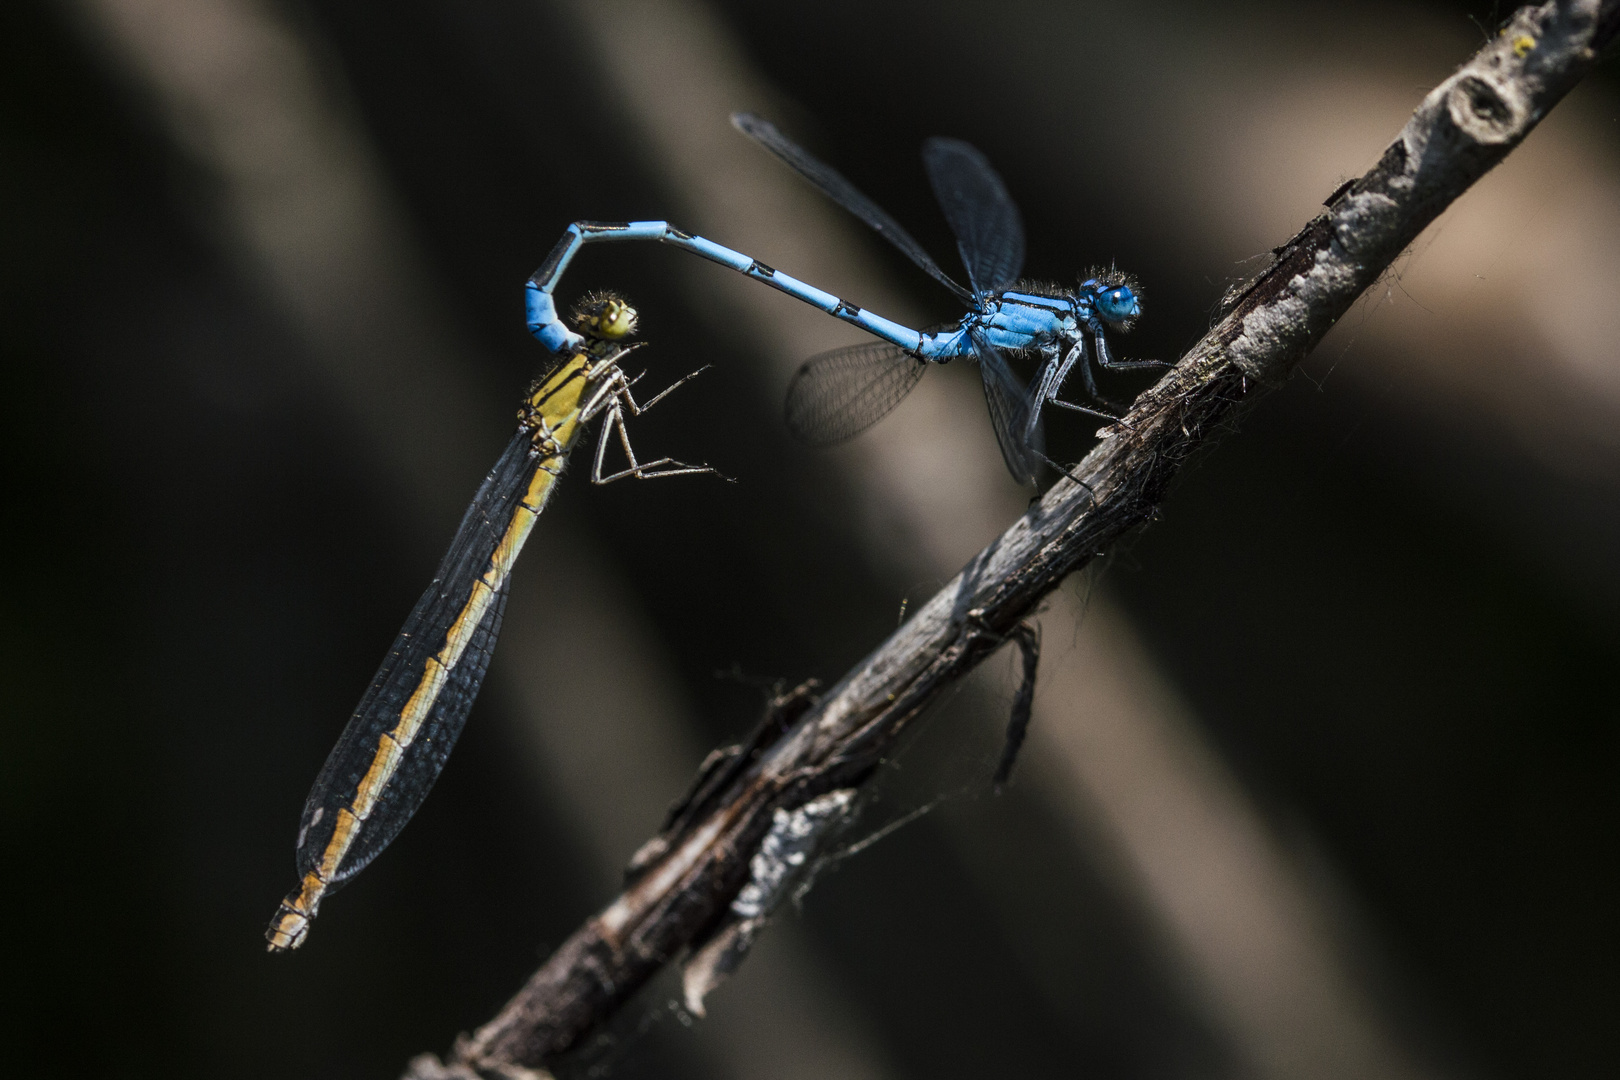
<point x="683" y="899"/>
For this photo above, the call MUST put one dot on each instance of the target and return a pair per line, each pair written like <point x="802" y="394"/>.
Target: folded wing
<point x="1019" y="434"/>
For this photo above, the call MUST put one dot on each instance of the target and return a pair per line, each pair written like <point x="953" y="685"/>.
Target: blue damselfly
<point x="838" y="394"/>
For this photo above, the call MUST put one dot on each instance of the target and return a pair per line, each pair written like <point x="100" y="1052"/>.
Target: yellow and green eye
<point x="616" y="320"/>
<point x="605" y="316"/>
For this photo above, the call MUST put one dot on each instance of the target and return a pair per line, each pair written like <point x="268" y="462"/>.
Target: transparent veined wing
<point x="989" y="230"/>
<point x="845" y="194"/>
<point x="400" y="735"/>
<point x="1019" y="435"/>
<point x="414" y="686"/>
<point x="839" y="394"/>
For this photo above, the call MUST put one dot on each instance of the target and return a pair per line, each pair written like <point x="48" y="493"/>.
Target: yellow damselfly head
<point x="606" y="316"/>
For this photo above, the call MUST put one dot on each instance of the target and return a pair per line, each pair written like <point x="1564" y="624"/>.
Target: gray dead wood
<point x="680" y="900"/>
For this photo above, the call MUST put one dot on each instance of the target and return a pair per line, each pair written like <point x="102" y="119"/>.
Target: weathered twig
<point x="758" y="813"/>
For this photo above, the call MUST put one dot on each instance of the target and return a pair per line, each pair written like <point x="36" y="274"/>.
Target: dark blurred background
<point x="1322" y="780"/>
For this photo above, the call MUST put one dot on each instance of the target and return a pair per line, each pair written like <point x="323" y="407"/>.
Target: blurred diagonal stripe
<point x="1114" y="747"/>
<point x="1128" y="768"/>
<point x="304" y="207"/>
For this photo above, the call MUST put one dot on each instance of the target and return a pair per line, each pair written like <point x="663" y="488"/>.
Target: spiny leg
<point x="1046" y="386"/>
<point x="614" y="407"/>
<point x="615" y="390"/>
<point x="1028" y="637"/>
<point x="1078" y="355"/>
<point x="1106" y="359"/>
<point x="651" y="470"/>
<point x="1067" y="474"/>
<point x="637" y="410"/>
<point x="1089" y="375"/>
<point x="1051" y="379"/>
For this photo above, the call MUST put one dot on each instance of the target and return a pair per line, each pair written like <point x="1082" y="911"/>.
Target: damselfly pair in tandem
<point x="400" y="735"/>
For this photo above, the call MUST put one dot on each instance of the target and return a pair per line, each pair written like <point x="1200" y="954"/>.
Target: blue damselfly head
<point x="1115" y="296"/>
<point x="606" y="316"/>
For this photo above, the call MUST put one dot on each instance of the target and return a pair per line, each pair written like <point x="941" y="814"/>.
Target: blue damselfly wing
<point x="845" y="194"/>
<point x="1019" y="435"/>
<point x="989" y="230"/>
<point x="839" y="394"/>
<point x="404" y="671"/>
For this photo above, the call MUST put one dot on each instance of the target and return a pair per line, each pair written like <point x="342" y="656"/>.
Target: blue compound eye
<point x="1118" y="304"/>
